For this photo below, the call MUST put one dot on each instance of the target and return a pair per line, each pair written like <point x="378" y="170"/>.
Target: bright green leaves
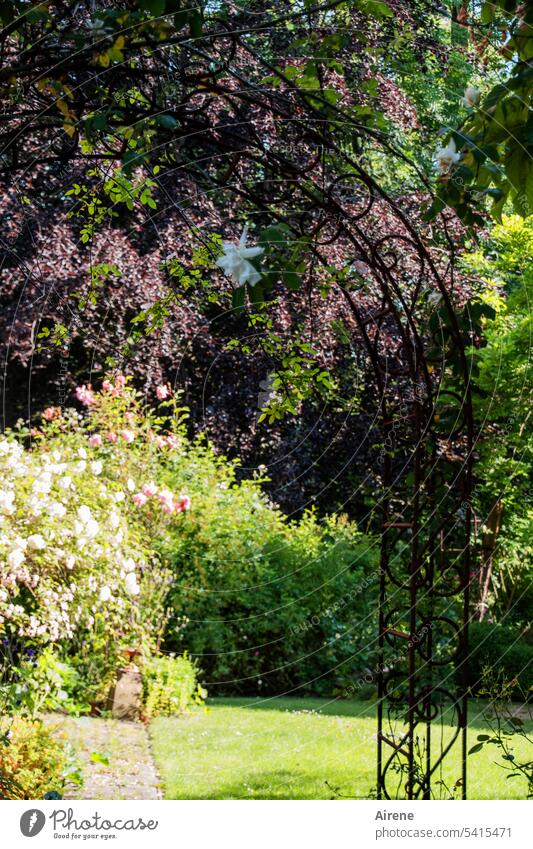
<point x="102" y="199"/>
<point x="375" y="8"/>
<point x="496" y="139"/>
<point x="283" y="257"/>
<point x="444" y="327"/>
<point x="181" y="10"/>
<point x="297" y="378"/>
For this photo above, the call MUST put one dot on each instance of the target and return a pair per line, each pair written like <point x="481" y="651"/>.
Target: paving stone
<point x="131" y="773"/>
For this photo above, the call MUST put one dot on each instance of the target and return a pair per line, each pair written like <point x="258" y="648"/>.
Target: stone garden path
<point x="130" y="772"/>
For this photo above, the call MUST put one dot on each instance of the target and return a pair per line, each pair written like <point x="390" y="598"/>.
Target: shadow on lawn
<point x="341" y="707"/>
<point x="271" y="784"/>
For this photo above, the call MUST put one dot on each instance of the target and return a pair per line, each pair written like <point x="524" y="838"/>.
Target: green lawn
<point x="289" y="748"/>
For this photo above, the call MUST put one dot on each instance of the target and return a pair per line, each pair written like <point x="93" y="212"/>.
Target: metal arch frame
<point x="417" y="468"/>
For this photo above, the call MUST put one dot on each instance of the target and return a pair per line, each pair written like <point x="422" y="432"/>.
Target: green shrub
<point x="40" y="682"/>
<point x="263" y="603"/>
<point x="170" y="686"/>
<point x="502" y="649"/>
<point x="32" y="761"/>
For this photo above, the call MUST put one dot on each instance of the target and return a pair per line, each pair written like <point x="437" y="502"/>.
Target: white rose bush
<point x="80" y="505"/>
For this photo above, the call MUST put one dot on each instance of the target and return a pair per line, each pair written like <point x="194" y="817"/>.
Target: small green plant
<point x="170" y="686"/>
<point x="33" y="762"/>
<point x="505" y="727"/>
<point x="41" y="682"/>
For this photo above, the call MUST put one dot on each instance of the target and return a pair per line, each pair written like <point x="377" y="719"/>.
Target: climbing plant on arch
<point x="115" y="107"/>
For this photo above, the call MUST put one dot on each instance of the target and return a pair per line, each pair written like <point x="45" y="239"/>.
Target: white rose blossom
<point x="36" y="542"/>
<point x="132" y="587"/>
<point x="105" y="594"/>
<point x="447" y="156"/>
<point x="471" y="96"/>
<point x="235" y="262"/>
<point x="16" y="558"/>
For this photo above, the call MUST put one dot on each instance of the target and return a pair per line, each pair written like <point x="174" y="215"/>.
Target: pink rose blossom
<point x="120" y="381"/>
<point x="183" y="503"/>
<point x="85" y="395"/>
<point x="111" y="437"/>
<point x="127" y="435"/>
<point x="162" y="392"/>
<point x="168" y="508"/>
<point x="95" y="440"/>
<point x="166" y="499"/>
<point x="160" y="442"/>
<point x="171" y="441"/>
<point x="149" y="489"/>
<point x="140" y="499"/>
<point x="107" y="386"/>
<point x="51" y="413"/>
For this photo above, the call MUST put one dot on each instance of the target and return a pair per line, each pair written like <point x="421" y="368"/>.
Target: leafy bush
<point x="269" y="604"/>
<point x="77" y="568"/>
<point x="32" y="761"/>
<point x="170" y="685"/>
<point x="40" y="682"/>
<point x="99" y="549"/>
<point x="502" y="649"/>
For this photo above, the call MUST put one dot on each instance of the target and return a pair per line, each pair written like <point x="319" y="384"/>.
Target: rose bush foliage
<point x="77" y="567"/>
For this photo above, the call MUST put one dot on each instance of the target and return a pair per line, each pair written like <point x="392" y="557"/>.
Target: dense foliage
<point x="284" y="208"/>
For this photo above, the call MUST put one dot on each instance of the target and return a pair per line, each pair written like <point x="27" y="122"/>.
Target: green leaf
<point x="195" y="24"/>
<point x="291" y="279"/>
<point x="487" y="13"/>
<point x="155" y="7"/>
<point x="476" y="748"/>
<point x="98" y="758"/>
<point x="237" y="299"/>
<point x="167" y="121"/>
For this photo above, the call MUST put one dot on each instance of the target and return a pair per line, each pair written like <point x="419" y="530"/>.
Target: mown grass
<point x="287" y="748"/>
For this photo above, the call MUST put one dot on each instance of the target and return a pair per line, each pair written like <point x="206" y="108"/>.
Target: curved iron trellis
<point x="426" y="486"/>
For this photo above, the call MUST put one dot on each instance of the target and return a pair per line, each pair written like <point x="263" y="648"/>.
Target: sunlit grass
<point x="296" y="749"/>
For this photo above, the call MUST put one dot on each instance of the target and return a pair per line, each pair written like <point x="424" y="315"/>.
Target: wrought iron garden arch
<point x="426" y="465"/>
<point x="324" y="192"/>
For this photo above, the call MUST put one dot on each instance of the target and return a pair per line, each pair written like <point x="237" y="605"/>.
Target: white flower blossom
<point x="235" y="262"/>
<point x="16" y="558"/>
<point x="434" y="297"/>
<point x="447" y="156"/>
<point x="56" y="509"/>
<point x="36" y="542"/>
<point x="84" y="513"/>
<point x="92" y="528"/>
<point x="42" y="484"/>
<point x="105" y="594"/>
<point x="7" y="497"/>
<point x="471" y="96"/>
<point x="132" y="587"/>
